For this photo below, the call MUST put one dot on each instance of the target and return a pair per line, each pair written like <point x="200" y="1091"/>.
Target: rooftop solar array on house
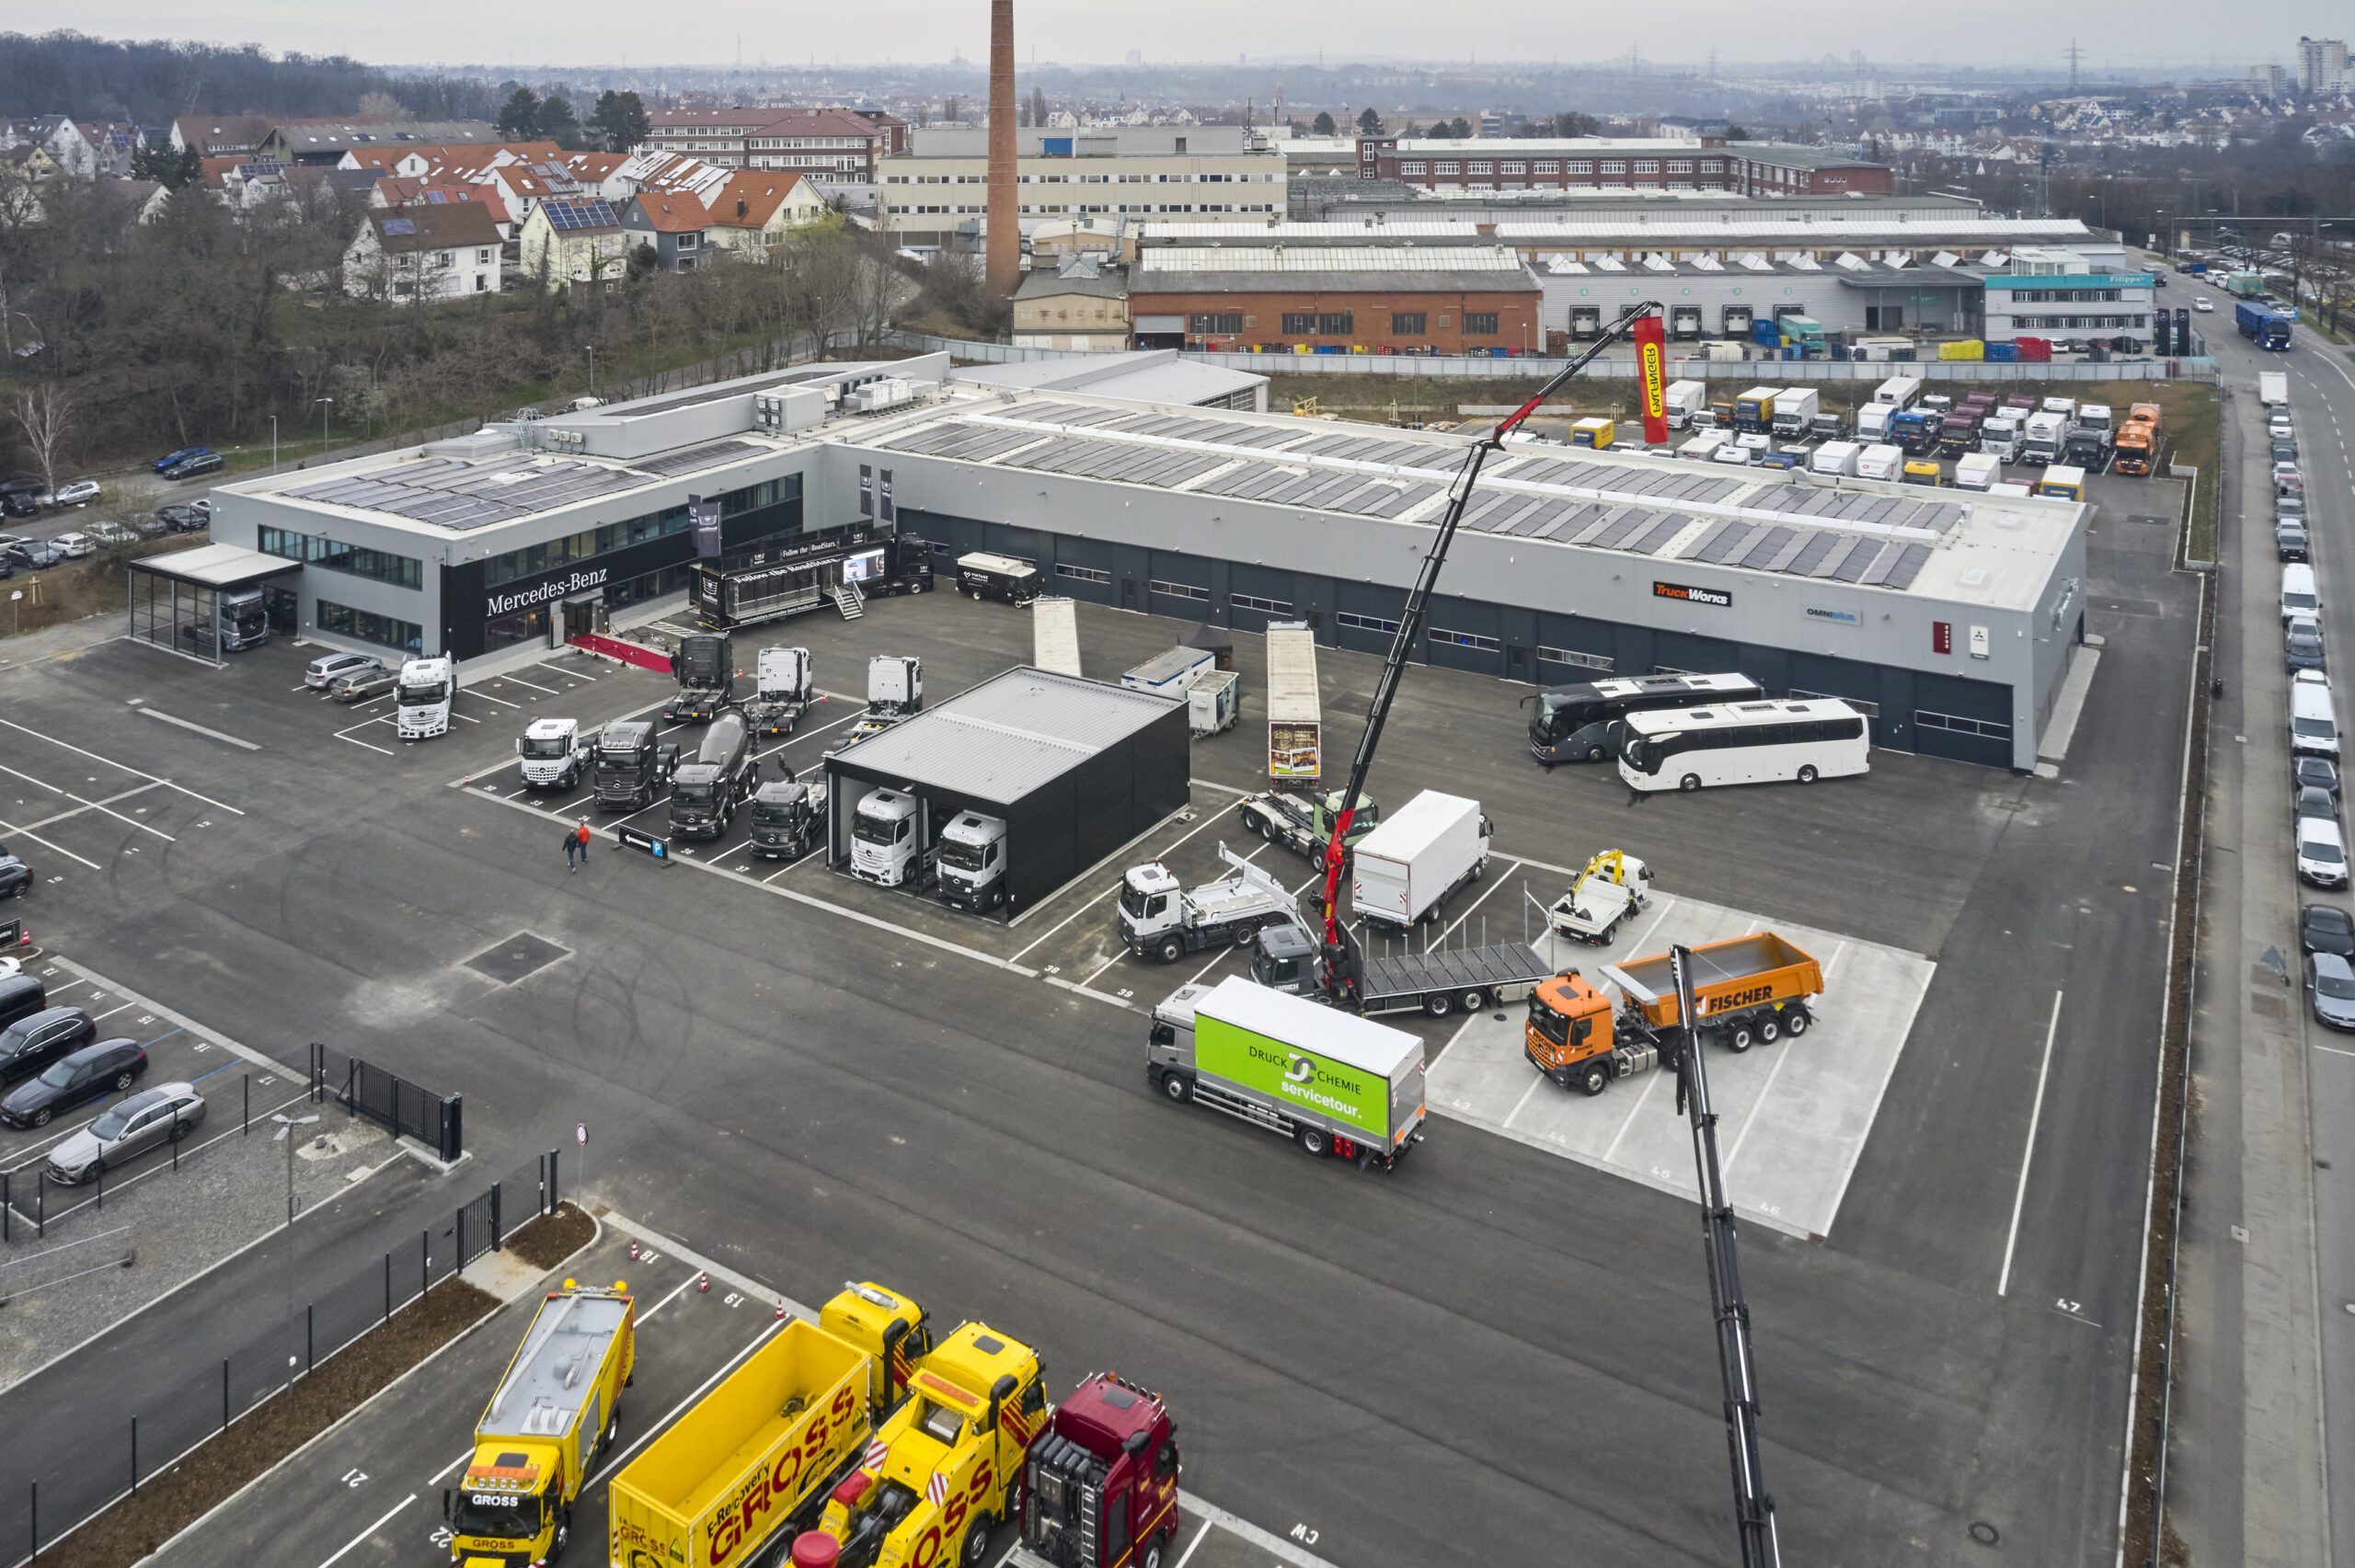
<point x="400" y="225"/>
<point x="584" y="214"/>
<point x="457" y="495"/>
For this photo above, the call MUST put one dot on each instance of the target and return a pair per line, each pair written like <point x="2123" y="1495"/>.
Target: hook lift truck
<point x="1754" y="1509"/>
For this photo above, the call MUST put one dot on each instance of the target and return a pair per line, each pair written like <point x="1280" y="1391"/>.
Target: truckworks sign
<point x="1716" y="598"/>
<point x="540" y="593"/>
<point x="1294" y="1077"/>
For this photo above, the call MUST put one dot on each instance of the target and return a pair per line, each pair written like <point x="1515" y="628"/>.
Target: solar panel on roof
<point x="1909" y="565"/>
<point x="709" y="455"/>
<point x="400" y="225"/>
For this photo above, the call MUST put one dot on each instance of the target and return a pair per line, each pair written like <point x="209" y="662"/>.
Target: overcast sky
<point x="2178" y="34"/>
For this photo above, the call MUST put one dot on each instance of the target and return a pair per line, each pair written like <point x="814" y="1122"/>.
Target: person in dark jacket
<point x="572" y="850"/>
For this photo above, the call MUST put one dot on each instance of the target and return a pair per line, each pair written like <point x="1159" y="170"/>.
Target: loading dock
<point x="1074" y="767"/>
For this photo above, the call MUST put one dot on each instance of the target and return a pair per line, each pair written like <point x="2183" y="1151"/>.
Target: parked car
<point x="363" y="686"/>
<point x="2285" y="450"/>
<point x="2301" y="646"/>
<point x="15" y="876"/>
<point x="2318" y="803"/>
<point x="73" y="547"/>
<point x="327" y="667"/>
<point x="2319" y="772"/>
<point x="2289" y="542"/>
<point x="149" y="1119"/>
<point x="145" y="525"/>
<point x="80" y="1075"/>
<point x="110" y="534"/>
<point x="2327" y="928"/>
<point x="76" y="493"/>
<point x="34" y="1041"/>
<point x="34" y="554"/>
<point x="178" y="455"/>
<point x="190" y="467"/>
<point x="2322" y="854"/>
<point x="2330" y="987"/>
<point x="183" y="519"/>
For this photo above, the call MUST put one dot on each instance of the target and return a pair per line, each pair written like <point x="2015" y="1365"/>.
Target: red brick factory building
<point x="1468" y="299"/>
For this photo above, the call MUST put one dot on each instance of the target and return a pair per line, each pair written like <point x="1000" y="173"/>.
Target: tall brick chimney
<point x="1004" y="253"/>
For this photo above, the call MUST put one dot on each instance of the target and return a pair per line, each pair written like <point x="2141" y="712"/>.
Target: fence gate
<point x="392" y="1101"/>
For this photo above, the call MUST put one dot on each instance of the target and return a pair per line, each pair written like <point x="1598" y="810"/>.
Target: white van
<point x="2300" y="595"/>
<point x="2313" y="728"/>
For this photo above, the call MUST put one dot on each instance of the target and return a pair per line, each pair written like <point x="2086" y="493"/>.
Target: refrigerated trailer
<point x="1295" y="714"/>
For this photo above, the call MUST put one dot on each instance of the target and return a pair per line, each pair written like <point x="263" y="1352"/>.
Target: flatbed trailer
<point x="1439" y="982"/>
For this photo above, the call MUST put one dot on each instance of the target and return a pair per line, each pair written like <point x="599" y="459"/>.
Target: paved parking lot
<point x="488" y="704"/>
<point x="369" y="1491"/>
<point x="1792" y="1115"/>
<point x="91" y="812"/>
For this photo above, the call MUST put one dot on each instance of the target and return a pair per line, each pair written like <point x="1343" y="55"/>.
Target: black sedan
<point x="182" y="518"/>
<point x="86" y="1074"/>
<point x="15" y="876"/>
<point x="2321" y="772"/>
<point x="2327" y="928"/>
<point x="34" y="1041"/>
<point x="34" y="554"/>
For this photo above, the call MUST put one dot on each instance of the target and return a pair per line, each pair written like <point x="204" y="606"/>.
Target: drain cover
<point x="519" y="956"/>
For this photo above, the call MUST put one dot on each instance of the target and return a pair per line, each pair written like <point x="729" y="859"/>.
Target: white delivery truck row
<point x="1403" y="870"/>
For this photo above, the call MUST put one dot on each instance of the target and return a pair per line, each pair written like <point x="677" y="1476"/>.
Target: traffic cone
<point x="703" y="1284"/>
<point x="780" y="1308"/>
<point x="633" y="1252"/>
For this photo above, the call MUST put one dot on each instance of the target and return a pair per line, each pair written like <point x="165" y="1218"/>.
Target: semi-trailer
<point x="1898" y="392"/>
<point x="555" y="1411"/>
<point x="1746" y="990"/>
<point x="1295" y="712"/>
<point x="1333" y="1083"/>
<point x="1437" y="981"/>
<point x="1162" y="919"/>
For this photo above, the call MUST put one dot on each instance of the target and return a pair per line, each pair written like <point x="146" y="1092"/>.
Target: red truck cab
<point x="1100" y="1481"/>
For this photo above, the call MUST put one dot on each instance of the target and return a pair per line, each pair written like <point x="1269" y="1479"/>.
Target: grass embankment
<point x="72" y="591"/>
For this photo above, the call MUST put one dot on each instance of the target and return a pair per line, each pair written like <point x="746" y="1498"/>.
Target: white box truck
<point x="2045" y="437"/>
<point x="1977" y="471"/>
<point x="1171" y="674"/>
<point x="1872" y="422"/>
<point x="1295" y="715"/>
<point x="1880" y="461"/>
<point x="1835" y="458"/>
<point x="2273" y="388"/>
<point x="1332" y="1082"/>
<point x="1682" y="400"/>
<point x="1403" y="870"/>
<point x="1899" y="392"/>
<point x="1794" y="410"/>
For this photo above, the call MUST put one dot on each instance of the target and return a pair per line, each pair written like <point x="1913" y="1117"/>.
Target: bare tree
<point x="45" y="414"/>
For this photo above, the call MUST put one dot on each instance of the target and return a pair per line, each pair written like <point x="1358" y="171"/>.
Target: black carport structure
<point x="203" y="602"/>
<point x="1075" y="768"/>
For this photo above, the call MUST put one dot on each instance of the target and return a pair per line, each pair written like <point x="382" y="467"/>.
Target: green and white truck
<point x="1332" y="1082"/>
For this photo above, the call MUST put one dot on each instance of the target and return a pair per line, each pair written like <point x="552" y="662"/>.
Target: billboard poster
<point x="703" y="515"/>
<point x="883" y="489"/>
<point x="1290" y="1075"/>
<point x="867" y="489"/>
<point x="1651" y="365"/>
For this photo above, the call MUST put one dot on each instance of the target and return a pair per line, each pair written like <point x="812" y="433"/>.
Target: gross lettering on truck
<point x="745" y="1516"/>
<point x="1241" y="1056"/>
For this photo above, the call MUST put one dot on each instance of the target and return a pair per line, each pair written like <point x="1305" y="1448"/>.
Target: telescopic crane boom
<point x="1340" y="972"/>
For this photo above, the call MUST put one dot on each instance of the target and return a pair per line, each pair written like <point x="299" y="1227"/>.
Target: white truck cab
<point x="422" y="699"/>
<point x="883" y="838"/>
<point x="972" y="862"/>
<point x="552" y="753"/>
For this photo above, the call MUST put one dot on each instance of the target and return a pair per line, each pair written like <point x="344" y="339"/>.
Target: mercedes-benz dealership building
<point x="1948" y="616"/>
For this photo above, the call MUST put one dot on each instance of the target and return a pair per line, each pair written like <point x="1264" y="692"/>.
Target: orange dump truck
<point x="2137" y="449"/>
<point x="1747" y="990"/>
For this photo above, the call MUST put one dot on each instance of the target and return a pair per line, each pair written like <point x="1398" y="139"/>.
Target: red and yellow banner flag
<point x="1651" y="367"/>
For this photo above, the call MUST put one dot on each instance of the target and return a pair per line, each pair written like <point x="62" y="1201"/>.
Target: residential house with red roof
<point x="677" y="225"/>
<point x="417" y="255"/>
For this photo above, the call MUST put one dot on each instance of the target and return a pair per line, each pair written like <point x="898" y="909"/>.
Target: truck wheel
<point x="1473" y="1000"/>
<point x="916" y="587"/>
<point x="977" y="1541"/>
<point x="563" y="1533"/>
<point x="1690" y="780"/>
<point x="1770" y="1028"/>
<point x="1439" y="1004"/>
<point x="1739" y="1037"/>
<point x="1795" y="1022"/>
<point x="1170" y="950"/>
<point x="1177" y="1086"/>
<point x="1252" y="824"/>
<point x="1313" y="1140"/>
<point x="1595" y="753"/>
<point x="1594" y="1078"/>
<point x="1806" y="773"/>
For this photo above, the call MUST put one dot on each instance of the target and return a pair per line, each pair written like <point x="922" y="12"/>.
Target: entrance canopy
<point x="205" y="602"/>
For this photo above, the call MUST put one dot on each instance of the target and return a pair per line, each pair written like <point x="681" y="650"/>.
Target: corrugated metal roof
<point x="1329" y="259"/>
<point x="1333" y="231"/>
<point x="1008" y="736"/>
<point x="1931" y="231"/>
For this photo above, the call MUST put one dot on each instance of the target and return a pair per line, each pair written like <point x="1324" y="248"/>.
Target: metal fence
<point x="33" y="1206"/>
<point x="97" y="1454"/>
<point x="394" y="1103"/>
<point x="1533" y="367"/>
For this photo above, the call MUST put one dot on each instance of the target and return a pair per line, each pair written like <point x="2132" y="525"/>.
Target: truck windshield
<point x="424" y="693"/>
<point x="551" y="746"/>
<point x="691" y="792"/>
<point x="972" y="857"/>
<point x="621" y="759"/>
<point x="1548" y="1021"/>
<point x="496" y="1515"/>
<point x="1132" y="900"/>
<point x="768" y="815"/>
<point x="874" y="830"/>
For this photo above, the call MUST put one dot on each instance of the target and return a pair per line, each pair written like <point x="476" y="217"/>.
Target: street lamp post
<point x="273" y="444"/>
<point x="327" y="407"/>
<point x="591" y="350"/>
<point x="285" y="1135"/>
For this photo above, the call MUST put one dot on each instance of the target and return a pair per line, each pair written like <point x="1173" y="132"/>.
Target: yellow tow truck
<point x="554" y="1410"/>
<point x="946" y="1465"/>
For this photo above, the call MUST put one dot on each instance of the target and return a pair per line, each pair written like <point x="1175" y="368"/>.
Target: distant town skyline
<point x="2166" y="34"/>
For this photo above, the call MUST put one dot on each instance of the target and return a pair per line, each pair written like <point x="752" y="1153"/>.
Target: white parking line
<point x="86" y="805"/>
<point x="1209" y="819"/>
<point x="126" y="767"/>
<point x="521" y="682"/>
<point x="45" y="843"/>
<point x="170" y="718"/>
<point x="389" y="1514"/>
<point x="478" y="692"/>
<point x="29" y="779"/>
<point x="2036" y="1115"/>
<point x="384" y="751"/>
